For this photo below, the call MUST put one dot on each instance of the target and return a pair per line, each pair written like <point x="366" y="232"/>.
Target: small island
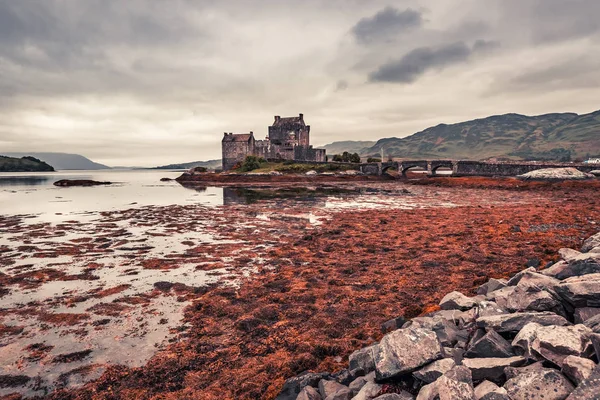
<point x="23" y="164"/>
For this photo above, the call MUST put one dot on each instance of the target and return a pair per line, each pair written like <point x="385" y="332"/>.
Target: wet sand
<point x="226" y="302"/>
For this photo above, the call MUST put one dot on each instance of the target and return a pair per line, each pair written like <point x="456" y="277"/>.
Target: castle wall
<point x="234" y="152"/>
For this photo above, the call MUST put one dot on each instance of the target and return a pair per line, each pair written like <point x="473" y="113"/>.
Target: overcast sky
<point x="153" y="82"/>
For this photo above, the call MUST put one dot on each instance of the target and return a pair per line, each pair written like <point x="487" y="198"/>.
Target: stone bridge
<point x="468" y="168"/>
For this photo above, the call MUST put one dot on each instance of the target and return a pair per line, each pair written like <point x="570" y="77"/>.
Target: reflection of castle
<point x="289" y="139"/>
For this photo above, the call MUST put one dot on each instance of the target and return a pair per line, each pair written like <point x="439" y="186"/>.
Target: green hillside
<point x="564" y="137"/>
<point x="24" y="164"/>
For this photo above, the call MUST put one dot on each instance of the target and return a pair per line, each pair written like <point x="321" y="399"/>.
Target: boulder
<point x="404" y="351"/>
<point x="293" y="386"/>
<point x="392" y="324"/>
<point x="580" y="315"/>
<point x="328" y="388"/>
<point x="593" y="323"/>
<point x="589" y="388"/>
<point x="515" y="322"/>
<point x="501" y="296"/>
<point x="499" y="394"/>
<point x="368" y="392"/>
<point x="491" y="285"/>
<point x="455" y="384"/>
<point x="457" y="301"/>
<point x="582" y="264"/>
<point x="357" y="384"/>
<point x="309" y="393"/>
<point x="396" y="396"/>
<point x="486" y="308"/>
<point x="581" y="291"/>
<point x="577" y="369"/>
<point x="591" y="242"/>
<point x="533" y="298"/>
<point x="344" y="377"/>
<point x="517" y="277"/>
<point x="492" y="369"/>
<point x="484" y="388"/>
<point x="568" y="255"/>
<point x="363" y="359"/>
<point x="433" y="371"/>
<point x="342" y="394"/>
<point x="535" y="279"/>
<point x="554" y="269"/>
<point x="491" y="345"/>
<point x="511" y="372"/>
<point x="543" y="384"/>
<point x="554" y="343"/>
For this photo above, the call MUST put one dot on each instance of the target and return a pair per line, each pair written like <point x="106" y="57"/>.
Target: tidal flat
<point x="226" y="299"/>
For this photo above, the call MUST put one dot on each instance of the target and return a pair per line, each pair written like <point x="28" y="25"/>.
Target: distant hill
<point x="560" y="137"/>
<point x="211" y="164"/>
<point x="350" y="146"/>
<point x="63" y="160"/>
<point x="25" y="164"/>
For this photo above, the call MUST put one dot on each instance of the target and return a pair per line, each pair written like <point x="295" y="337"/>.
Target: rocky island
<point x="23" y="164"/>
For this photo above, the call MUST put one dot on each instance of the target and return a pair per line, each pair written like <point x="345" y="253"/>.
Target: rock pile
<point x="534" y="336"/>
<point x="558" y="174"/>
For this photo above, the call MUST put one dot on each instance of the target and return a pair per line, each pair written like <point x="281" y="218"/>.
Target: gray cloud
<point x="415" y="63"/>
<point x="385" y="24"/>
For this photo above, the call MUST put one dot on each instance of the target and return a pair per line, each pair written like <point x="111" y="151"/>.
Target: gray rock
<point x="342" y="394"/>
<point x="568" y="255"/>
<point x="368" y="392"/>
<point x="511" y="372"/>
<point x="487" y="308"/>
<point x="309" y="393"/>
<point x="457" y="301"/>
<point x="293" y="386"/>
<point x="591" y="242"/>
<point x="499" y="394"/>
<point x="491" y="345"/>
<point x="544" y="384"/>
<point x="515" y="322"/>
<point x="392" y="324"/>
<point x="396" y="396"/>
<point x="584" y="313"/>
<point x="582" y="291"/>
<point x="532" y="298"/>
<point x="404" y="351"/>
<point x="501" y="296"/>
<point x="344" y="377"/>
<point x="492" y="369"/>
<point x="554" y="343"/>
<point x="357" y="384"/>
<point x="484" y="388"/>
<point x="577" y="369"/>
<point x="491" y="285"/>
<point x="433" y="371"/>
<point x="455" y="384"/>
<point x="593" y="323"/>
<point x="589" y="389"/>
<point x="517" y="277"/>
<point x="535" y="279"/>
<point x="555" y="269"/>
<point x="584" y="264"/>
<point x="327" y="388"/>
<point x="363" y="359"/>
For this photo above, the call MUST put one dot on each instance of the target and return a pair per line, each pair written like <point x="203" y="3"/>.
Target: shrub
<point x="373" y="159"/>
<point x="251" y="163"/>
<point x="347" y="157"/>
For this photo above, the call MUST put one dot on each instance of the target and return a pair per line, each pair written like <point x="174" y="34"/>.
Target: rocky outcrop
<point x="551" y="174"/>
<point x="534" y="336"/>
<point x="79" y="182"/>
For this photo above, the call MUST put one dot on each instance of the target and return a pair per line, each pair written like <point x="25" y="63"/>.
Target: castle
<point x="289" y="139"/>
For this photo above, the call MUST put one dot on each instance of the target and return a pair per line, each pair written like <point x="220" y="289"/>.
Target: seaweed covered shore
<point x="317" y="291"/>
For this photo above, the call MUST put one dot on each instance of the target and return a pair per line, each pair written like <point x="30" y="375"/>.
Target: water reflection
<point x="314" y="196"/>
<point x="23" y="180"/>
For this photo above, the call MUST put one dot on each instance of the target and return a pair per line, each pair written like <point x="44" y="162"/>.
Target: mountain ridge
<point x="62" y="161"/>
<point x="552" y="136"/>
